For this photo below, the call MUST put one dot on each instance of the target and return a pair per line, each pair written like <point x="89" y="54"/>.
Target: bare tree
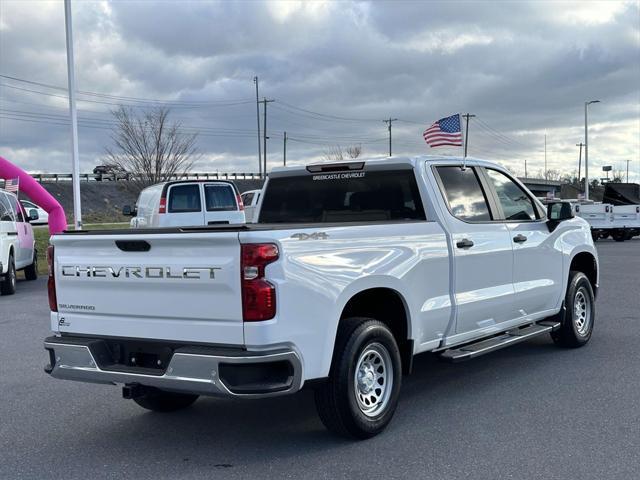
<point x="617" y="176"/>
<point x="149" y="147"/>
<point x="354" y="151"/>
<point x="336" y="153"/>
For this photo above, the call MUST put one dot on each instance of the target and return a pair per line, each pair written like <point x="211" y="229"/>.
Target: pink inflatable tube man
<point x="57" y="219"/>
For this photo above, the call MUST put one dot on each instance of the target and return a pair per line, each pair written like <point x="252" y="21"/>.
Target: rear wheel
<point x="160" y="401"/>
<point x="361" y="395"/>
<point x="31" y="272"/>
<point x="8" y="285"/>
<point x="619" y="236"/>
<point x="576" y="323"/>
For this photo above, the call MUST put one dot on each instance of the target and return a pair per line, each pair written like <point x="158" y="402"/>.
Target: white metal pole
<point x="77" y="210"/>
<point x="586" y="154"/>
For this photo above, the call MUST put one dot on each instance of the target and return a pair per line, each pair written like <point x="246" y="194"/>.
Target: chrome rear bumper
<point x="199" y="370"/>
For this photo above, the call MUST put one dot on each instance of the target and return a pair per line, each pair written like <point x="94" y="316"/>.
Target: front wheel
<point x="160" y="401"/>
<point x="576" y="323"/>
<point x="361" y="395"/>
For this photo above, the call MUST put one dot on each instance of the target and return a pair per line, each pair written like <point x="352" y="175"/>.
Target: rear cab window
<point x="330" y="197"/>
<point x="184" y="198"/>
<point x="219" y="198"/>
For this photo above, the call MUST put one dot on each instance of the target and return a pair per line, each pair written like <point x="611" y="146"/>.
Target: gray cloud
<point x="523" y="67"/>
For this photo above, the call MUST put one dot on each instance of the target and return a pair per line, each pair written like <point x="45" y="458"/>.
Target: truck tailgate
<point x="182" y="287"/>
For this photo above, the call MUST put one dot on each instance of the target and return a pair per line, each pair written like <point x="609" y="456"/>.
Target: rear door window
<point x="6" y="214"/>
<point x="15" y="207"/>
<point x="247" y="198"/>
<point x="463" y="193"/>
<point x="185" y="198"/>
<point x="220" y="198"/>
<point x="363" y="196"/>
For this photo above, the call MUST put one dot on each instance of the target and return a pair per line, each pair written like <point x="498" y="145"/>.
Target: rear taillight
<point x="51" y="282"/>
<point x="258" y="295"/>
<point x="163" y="205"/>
<point x="240" y="204"/>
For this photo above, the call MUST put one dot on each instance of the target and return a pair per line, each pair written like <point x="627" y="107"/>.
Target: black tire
<point x="339" y="401"/>
<point x="8" y="284"/>
<point x="576" y="322"/>
<point x="619" y="236"/>
<point x="160" y="401"/>
<point x="31" y="272"/>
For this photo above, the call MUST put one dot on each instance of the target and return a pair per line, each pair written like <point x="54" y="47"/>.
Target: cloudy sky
<point x="335" y="71"/>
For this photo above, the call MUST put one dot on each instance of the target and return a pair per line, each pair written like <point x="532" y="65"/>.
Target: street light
<point x="586" y="149"/>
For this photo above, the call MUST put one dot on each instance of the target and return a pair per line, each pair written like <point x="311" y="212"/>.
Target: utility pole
<point x="71" y="75"/>
<point x="255" y="80"/>
<point x="389" y="122"/>
<point x="627" y="170"/>
<point x="525" y="168"/>
<point x="284" y="150"/>
<point x="546" y="172"/>
<point x="264" y="136"/>
<point x="586" y="149"/>
<point x="467" y="116"/>
<point x="579" y="160"/>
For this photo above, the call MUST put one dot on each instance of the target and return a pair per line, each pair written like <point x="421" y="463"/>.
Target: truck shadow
<point x="217" y="433"/>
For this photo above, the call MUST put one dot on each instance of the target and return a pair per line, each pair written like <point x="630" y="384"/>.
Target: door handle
<point x="464" y="243"/>
<point x="519" y="238"/>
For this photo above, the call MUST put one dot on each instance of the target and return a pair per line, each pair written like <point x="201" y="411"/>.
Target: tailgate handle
<point x="133" y="245"/>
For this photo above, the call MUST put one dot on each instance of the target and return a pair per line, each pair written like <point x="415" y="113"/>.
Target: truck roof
<point x="381" y="162"/>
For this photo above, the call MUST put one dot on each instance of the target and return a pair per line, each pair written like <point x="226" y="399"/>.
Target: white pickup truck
<point x="352" y="269"/>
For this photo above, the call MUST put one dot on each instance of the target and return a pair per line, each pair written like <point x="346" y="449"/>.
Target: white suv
<point x="17" y="245"/>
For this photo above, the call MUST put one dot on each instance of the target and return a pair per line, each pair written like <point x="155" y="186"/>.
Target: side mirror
<point x="127" y="211"/>
<point x="33" y="215"/>
<point x="558" y="212"/>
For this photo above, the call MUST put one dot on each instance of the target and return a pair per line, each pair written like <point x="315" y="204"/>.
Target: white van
<point x="187" y="203"/>
<point x="17" y="245"/>
<point x="250" y="200"/>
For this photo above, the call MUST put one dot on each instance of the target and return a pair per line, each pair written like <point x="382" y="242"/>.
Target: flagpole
<point x="77" y="211"/>
<point x="463" y="145"/>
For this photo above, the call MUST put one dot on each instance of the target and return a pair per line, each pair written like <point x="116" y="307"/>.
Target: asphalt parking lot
<point x="530" y="411"/>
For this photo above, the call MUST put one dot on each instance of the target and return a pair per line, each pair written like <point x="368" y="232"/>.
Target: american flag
<point x="11" y="185"/>
<point x="445" y="131"/>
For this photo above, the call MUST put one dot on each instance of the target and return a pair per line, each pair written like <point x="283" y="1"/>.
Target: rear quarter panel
<point x="316" y="277"/>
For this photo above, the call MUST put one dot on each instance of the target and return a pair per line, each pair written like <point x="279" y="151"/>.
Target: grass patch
<point x="41" y="235"/>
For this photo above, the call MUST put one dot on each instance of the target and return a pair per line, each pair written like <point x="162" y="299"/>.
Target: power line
<point x="327" y="116"/>
<point x="505" y="137"/>
<point x="127" y="98"/>
<point x="116" y="103"/>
